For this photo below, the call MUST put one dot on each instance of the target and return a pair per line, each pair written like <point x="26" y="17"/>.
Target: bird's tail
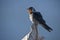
<point x="47" y="27"/>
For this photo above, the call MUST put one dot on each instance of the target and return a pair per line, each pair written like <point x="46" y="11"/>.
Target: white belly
<point x="31" y="17"/>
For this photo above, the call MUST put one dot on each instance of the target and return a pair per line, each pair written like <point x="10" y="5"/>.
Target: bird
<point x="36" y="18"/>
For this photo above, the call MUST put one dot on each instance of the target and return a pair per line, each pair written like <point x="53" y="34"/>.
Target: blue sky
<point x="15" y="23"/>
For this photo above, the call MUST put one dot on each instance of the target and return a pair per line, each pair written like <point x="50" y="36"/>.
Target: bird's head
<point x="30" y="10"/>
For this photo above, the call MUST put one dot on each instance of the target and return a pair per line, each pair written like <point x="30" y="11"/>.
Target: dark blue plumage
<point x="38" y="17"/>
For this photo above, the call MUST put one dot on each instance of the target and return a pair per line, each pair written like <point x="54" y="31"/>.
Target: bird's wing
<point x="37" y="16"/>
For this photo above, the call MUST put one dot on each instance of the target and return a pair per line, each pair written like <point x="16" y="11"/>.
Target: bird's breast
<point x="31" y="17"/>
